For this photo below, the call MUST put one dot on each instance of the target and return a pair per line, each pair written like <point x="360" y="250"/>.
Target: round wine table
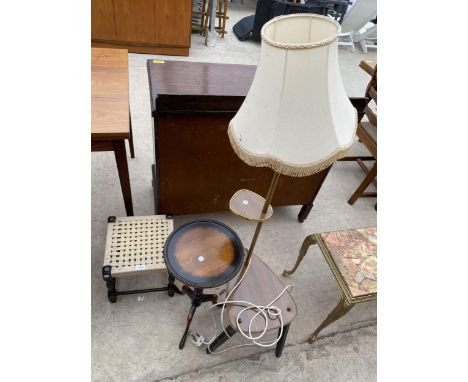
<point x="202" y="254"/>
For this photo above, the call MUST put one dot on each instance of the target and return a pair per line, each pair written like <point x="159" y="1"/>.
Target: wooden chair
<point x="260" y="286"/>
<point x="221" y="16"/>
<point x="367" y="133"/>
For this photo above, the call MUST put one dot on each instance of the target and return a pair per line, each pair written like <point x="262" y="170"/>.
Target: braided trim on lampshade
<point x="285" y="168"/>
<point x="317" y="44"/>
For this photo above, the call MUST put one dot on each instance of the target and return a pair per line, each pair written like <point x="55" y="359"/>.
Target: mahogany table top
<point x="204" y="253"/>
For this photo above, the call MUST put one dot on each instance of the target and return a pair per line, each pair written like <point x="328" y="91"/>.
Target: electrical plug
<point x="197" y="340"/>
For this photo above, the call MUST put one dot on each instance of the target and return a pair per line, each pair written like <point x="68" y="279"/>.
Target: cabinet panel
<point x="102" y="20"/>
<point x="173" y="22"/>
<point x="134" y="20"/>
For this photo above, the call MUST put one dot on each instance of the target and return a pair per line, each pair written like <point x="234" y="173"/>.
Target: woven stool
<point x="134" y="245"/>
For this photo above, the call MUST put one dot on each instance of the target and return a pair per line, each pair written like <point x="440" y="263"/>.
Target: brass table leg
<point x="340" y="310"/>
<point x="308" y="241"/>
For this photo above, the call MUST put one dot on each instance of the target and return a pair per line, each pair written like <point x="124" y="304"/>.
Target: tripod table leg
<point x="193" y="308"/>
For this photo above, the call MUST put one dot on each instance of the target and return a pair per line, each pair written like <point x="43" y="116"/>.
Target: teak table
<point x="110" y="115"/>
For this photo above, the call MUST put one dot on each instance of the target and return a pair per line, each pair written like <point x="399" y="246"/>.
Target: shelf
<point x="248" y="205"/>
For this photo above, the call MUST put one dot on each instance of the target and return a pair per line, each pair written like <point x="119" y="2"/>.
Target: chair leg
<point x="365" y="183"/>
<point x="224" y="18"/>
<point x="207" y="19"/>
<point x="363" y="45"/>
<point x="202" y="18"/>
<point x="221" y="339"/>
<point x="280" y="343"/>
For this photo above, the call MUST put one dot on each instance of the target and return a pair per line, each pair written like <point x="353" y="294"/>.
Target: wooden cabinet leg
<point x="122" y="168"/>
<point x="306" y="208"/>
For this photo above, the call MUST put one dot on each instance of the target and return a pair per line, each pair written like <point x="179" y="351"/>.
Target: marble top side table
<point x="352" y="258"/>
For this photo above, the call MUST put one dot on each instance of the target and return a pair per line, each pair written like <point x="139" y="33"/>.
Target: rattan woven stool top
<point x="136" y="243"/>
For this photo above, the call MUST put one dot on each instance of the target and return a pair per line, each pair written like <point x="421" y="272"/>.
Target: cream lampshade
<point x="296" y="118"/>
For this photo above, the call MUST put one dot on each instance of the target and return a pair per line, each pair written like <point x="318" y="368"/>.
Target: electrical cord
<point x="268" y="312"/>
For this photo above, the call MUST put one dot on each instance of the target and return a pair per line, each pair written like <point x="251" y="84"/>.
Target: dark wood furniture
<point x="196" y="168"/>
<point x="260" y="286"/>
<point x="202" y="254"/>
<point x="110" y="116"/>
<point x="142" y="26"/>
<point x="367" y="133"/>
<point x="352" y="258"/>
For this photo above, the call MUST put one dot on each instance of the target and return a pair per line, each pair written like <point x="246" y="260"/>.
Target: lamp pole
<point x="269" y="197"/>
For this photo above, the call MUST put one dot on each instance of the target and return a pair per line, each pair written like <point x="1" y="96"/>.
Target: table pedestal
<point x="198" y="297"/>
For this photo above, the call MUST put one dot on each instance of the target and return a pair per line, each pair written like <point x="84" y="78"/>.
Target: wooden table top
<point x="109" y="94"/>
<point x="198" y="78"/>
<point x="203" y="253"/>
<point x="260" y="286"/>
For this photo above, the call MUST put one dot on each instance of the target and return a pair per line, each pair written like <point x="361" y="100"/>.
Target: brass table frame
<point x="347" y="300"/>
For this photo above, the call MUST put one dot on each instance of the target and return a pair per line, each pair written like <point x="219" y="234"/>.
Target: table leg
<point x="281" y="342"/>
<point x="340" y="310"/>
<point x="193" y="308"/>
<point x="221" y="339"/>
<point x="308" y="241"/>
<point x="130" y="139"/>
<point x="122" y="168"/>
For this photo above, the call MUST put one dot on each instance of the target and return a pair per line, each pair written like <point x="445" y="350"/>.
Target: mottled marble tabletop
<point x="355" y="254"/>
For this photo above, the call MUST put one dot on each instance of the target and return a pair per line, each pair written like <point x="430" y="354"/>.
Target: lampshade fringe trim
<point x="285" y="168"/>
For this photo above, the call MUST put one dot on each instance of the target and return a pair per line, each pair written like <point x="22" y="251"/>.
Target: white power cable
<point x="268" y="312"/>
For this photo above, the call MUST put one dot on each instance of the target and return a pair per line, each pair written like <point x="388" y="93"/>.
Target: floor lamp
<point x="296" y="118"/>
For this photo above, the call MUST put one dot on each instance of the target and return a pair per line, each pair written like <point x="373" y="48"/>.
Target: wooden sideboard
<point x="196" y="170"/>
<point x="142" y="26"/>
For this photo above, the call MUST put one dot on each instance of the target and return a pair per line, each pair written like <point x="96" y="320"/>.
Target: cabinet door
<point x="173" y="22"/>
<point x="134" y="20"/>
<point x="102" y="20"/>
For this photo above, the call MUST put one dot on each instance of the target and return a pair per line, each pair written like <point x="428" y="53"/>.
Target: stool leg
<point x="193" y="308"/>
<point x="171" y="286"/>
<point x="221" y="339"/>
<point x="110" y="283"/>
<point x="280" y="343"/>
